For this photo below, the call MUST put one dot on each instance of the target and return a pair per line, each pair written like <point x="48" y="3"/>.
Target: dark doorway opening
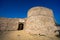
<point x="20" y="26"/>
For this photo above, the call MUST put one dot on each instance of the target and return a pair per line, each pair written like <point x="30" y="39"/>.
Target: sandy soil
<point x="22" y="35"/>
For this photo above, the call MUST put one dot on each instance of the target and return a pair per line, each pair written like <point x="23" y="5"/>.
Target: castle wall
<point x="9" y="23"/>
<point x="3" y="23"/>
<point x="40" y="21"/>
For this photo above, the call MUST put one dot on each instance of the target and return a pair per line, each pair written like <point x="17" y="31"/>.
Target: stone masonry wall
<point x="9" y="23"/>
<point x="40" y="22"/>
<point x="40" y="11"/>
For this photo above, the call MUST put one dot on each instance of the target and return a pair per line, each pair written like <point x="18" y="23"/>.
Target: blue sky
<point x="19" y="8"/>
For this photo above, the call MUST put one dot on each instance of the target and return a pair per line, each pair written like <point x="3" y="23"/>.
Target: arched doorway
<point x="20" y="26"/>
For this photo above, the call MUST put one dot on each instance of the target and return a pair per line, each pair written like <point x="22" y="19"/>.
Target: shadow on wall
<point x="58" y="26"/>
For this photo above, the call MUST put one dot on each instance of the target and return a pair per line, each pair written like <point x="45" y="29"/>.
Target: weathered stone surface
<point x="40" y="21"/>
<point x="10" y="23"/>
<point x="58" y="27"/>
<point x="3" y="23"/>
<point x="40" y="25"/>
<point x="40" y="11"/>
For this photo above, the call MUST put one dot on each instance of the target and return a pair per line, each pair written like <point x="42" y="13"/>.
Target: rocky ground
<point x="22" y="35"/>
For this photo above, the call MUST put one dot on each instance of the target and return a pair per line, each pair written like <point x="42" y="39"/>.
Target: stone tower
<point x="40" y="21"/>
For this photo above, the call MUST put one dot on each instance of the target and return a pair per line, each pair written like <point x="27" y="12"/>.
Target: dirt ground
<point x="22" y="35"/>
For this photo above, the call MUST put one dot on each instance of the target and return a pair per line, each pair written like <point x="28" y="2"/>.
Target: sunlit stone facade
<point x="39" y="21"/>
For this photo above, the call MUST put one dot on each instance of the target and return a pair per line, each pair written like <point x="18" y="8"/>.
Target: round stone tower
<point x="40" y="21"/>
<point x="40" y="11"/>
